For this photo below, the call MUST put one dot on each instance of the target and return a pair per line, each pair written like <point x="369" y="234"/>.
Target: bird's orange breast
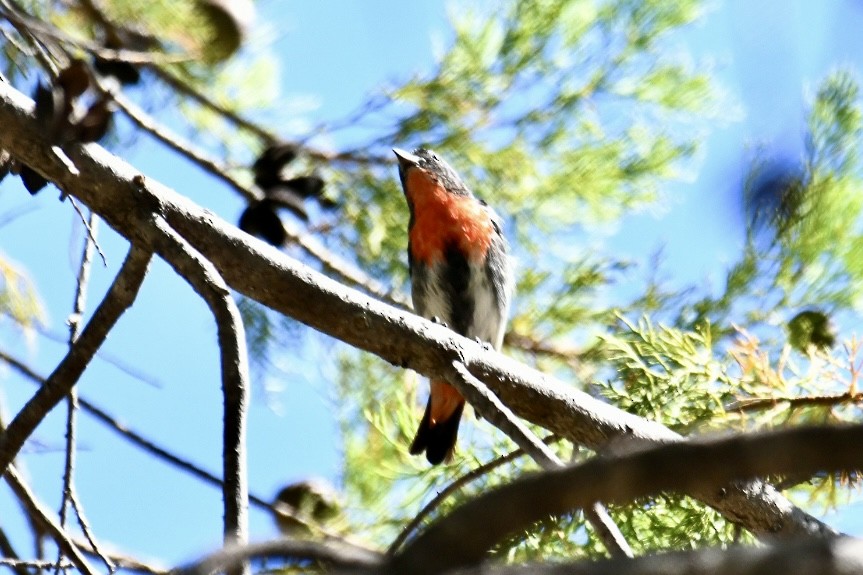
<point x="442" y="219"/>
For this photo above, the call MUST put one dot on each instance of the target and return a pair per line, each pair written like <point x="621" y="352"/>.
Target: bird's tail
<point x="438" y="429"/>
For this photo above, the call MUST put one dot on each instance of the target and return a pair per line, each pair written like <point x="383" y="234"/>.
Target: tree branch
<point x="37" y="509"/>
<point x="120" y="296"/>
<point x="206" y="281"/>
<point x="122" y="561"/>
<point x="490" y="407"/>
<point x="161" y="133"/>
<point x="125" y="199"/>
<point x="289" y="549"/>
<point x="70" y="494"/>
<point x="182" y="86"/>
<point x="841" y="556"/>
<point x="142" y="442"/>
<point x="700" y="466"/>
<point x="762" y="403"/>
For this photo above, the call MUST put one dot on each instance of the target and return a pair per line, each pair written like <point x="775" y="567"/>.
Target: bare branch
<point x="120" y="296"/>
<point x="136" y="438"/>
<point x="70" y="495"/>
<point x="841" y="556"/>
<point x="490" y="407"/>
<point x="125" y="199"/>
<point x="691" y="467"/>
<point x="344" y="269"/>
<point x="90" y="225"/>
<point x="206" y="281"/>
<point x="186" y="149"/>
<point x="109" y="358"/>
<point x="46" y="519"/>
<point x="183" y="87"/>
<point x="21" y="565"/>
<point x="288" y="549"/>
<point x="530" y="344"/>
<point x="607" y="530"/>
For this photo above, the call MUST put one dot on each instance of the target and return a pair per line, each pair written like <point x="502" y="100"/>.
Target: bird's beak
<point x="406" y="159"/>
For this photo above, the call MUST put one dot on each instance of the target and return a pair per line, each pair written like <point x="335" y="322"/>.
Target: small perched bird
<point x="312" y="501"/>
<point x="460" y="276"/>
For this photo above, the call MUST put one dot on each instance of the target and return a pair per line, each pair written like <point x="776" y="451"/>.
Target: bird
<point x="461" y="276"/>
<point x="313" y="501"/>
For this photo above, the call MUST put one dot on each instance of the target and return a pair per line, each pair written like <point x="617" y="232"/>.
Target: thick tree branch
<point x="841" y="556"/>
<point x="701" y="466"/>
<point x="119" y="298"/>
<point x="125" y="199"/>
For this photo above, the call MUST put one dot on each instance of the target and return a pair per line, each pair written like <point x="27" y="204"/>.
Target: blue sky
<point x="769" y="55"/>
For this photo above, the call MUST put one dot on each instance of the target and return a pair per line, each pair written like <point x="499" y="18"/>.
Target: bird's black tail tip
<point x="438" y="441"/>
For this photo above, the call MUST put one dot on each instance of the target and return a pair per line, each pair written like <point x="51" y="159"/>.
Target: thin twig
<point x="21" y="565"/>
<point x="23" y="23"/>
<point x="119" y="298"/>
<point x="760" y="403"/>
<point x="90" y="227"/>
<point x="531" y="344"/>
<point x="182" y="86"/>
<point x="110" y="358"/>
<point x="345" y="270"/>
<point x="173" y="141"/>
<point x="208" y="283"/>
<point x="133" y="436"/>
<point x="88" y="532"/>
<point x="161" y="453"/>
<point x="492" y="408"/>
<point x="45" y="517"/>
<point x="17" y="212"/>
<point x="74" y="321"/>
<point x="267" y="136"/>
<point x="460" y="482"/>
